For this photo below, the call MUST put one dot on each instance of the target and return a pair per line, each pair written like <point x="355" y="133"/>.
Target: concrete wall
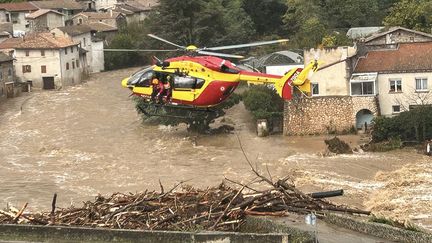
<point x="19" y="21"/>
<point x="104" y="4"/>
<point x="3" y="14"/>
<point x="399" y="36"/>
<point x="332" y="81"/>
<point x="74" y="234"/>
<point x="7" y="75"/>
<point x="98" y="60"/>
<point x="379" y="230"/>
<point x="35" y="60"/>
<point x="407" y="97"/>
<point x="321" y="115"/>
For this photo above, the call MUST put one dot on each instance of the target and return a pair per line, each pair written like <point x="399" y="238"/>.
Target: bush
<point x="413" y="125"/>
<point x="263" y="102"/>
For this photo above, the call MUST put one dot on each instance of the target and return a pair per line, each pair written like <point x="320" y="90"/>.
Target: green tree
<point x="263" y="102"/>
<point x="349" y="13"/>
<point x="413" y="14"/>
<point x="202" y="23"/>
<point x="266" y="15"/>
<point x="115" y="60"/>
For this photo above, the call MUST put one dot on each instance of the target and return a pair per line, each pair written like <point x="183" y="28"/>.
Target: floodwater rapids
<point x="88" y="139"/>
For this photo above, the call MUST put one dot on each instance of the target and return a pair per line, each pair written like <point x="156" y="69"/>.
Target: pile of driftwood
<point x="185" y="208"/>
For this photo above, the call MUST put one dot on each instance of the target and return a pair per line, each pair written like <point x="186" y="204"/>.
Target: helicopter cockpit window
<point x="136" y="77"/>
<point x="184" y="82"/>
<point x="145" y="79"/>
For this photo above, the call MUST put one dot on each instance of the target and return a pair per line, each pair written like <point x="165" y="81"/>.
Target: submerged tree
<point x="197" y="120"/>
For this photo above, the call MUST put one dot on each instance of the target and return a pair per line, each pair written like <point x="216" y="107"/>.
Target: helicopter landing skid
<point x="152" y="109"/>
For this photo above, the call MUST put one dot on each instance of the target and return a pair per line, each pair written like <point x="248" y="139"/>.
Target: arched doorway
<point x="362" y="117"/>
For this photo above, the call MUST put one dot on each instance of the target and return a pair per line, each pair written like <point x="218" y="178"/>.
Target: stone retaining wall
<point x="32" y="233"/>
<point x="323" y="115"/>
<point x="379" y="230"/>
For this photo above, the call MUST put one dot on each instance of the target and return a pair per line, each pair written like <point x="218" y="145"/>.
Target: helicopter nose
<point x="124" y="83"/>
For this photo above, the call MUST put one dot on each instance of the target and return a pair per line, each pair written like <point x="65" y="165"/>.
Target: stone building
<point x="6" y="75"/>
<point x="44" y="20"/>
<point x="110" y="18"/>
<point x="397" y="35"/>
<point x="332" y="108"/>
<point x="133" y="11"/>
<point x="383" y="75"/>
<point x="45" y="60"/>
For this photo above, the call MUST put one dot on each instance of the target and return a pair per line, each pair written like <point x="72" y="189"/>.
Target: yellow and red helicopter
<point x="205" y="81"/>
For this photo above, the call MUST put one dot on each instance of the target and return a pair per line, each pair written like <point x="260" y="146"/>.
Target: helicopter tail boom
<point x="296" y="77"/>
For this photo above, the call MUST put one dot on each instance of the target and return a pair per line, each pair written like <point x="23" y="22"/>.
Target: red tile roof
<point x="10" y="43"/>
<point x="408" y="57"/>
<point x="16" y="7"/>
<point x="37" y="41"/>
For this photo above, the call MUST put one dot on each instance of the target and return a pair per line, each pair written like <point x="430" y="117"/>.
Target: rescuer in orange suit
<point x="155" y="84"/>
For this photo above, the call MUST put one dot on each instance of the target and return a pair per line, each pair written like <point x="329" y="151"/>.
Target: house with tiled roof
<point x="400" y="77"/>
<point x="133" y="11"/>
<point x="67" y="7"/>
<point x="91" y="48"/>
<point x="15" y="14"/>
<point x="111" y="18"/>
<point x="46" y="60"/>
<point x="45" y="19"/>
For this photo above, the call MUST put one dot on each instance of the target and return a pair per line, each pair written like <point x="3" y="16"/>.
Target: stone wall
<point x="322" y="115"/>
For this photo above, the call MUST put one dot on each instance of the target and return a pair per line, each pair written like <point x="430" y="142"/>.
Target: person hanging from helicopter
<point x="155" y="85"/>
<point x="168" y="88"/>
<point x="160" y="91"/>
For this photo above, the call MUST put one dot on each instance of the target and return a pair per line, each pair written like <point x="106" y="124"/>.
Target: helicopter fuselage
<point x="202" y="81"/>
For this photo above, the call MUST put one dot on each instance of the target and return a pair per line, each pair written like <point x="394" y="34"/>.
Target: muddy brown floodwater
<point x="88" y="139"/>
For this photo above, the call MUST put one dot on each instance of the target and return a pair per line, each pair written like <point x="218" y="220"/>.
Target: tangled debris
<point x="337" y="146"/>
<point x="219" y="208"/>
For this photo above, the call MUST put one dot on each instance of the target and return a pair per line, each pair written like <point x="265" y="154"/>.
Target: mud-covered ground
<point x="88" y="139"/>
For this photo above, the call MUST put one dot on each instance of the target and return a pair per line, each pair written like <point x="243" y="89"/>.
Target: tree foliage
<point x="413" y="14"/>
<point x="263" y="102"/>
<point x="411" y="125"/>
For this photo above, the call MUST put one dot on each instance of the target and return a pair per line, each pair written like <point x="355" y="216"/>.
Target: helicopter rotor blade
<point x="169" y="42"/>
<point x="260" y="43"/>
<point x="220" y="54"/>
<point x="138" y="50"/>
